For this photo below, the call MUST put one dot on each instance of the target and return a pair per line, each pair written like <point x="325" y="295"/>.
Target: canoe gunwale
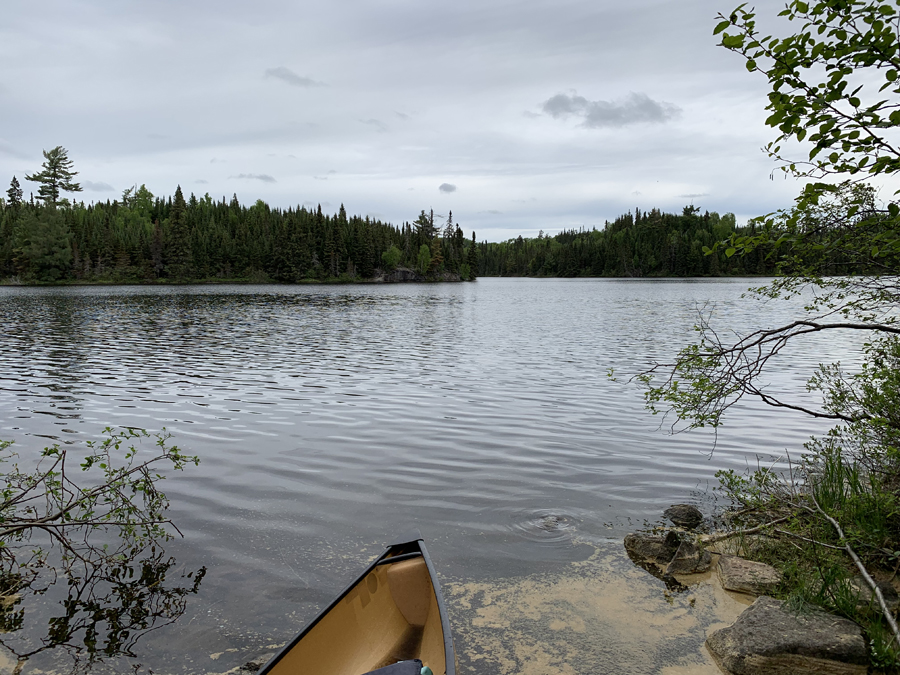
<point x="398" y="558"/>
<point x="385" y="558"/>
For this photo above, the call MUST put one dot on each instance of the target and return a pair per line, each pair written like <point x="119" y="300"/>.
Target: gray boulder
<point x="747" y="576"/>
<point x="689" y="559"/>
<point x="768" y="640"/>
<point x="657" y="548"/>
<point x="684" y="515"/>
<point x="865" y="596"/>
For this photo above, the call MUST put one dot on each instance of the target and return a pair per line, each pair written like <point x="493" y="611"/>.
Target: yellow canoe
<point x="393" y="612"/>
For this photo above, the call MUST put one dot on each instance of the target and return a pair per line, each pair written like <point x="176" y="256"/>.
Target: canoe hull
<point x="392" y="612"/>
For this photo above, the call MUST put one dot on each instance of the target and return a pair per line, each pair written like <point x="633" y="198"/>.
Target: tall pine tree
<point x="56" y="176"/>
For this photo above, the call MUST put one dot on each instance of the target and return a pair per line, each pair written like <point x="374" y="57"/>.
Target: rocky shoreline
<point x="769" y="637"/>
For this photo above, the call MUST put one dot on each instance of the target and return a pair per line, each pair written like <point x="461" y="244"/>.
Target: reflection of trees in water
<point x="105" y="609"/>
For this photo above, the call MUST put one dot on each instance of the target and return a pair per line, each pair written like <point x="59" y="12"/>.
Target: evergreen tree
<point x="177" y="240"/>
<point x="14" y="194"/>
<point x="472" y="258"/>
<point x="42" y="246"/>
<point x="56" y="176"/>
<point x="437" y="258"/>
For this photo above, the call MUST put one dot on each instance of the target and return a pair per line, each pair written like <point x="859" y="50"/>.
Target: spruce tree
<point x="178" y="240"/>
<point x="42" y="246"/>
<point x="14" y="194"/>
<point x="473" y="258"/>
<point x="56" y="176"/>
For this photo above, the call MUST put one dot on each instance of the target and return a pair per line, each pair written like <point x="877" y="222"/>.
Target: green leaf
<point x="894" y="210"/>
<point x="721" y="26"/>
<point x="729" y="252"/>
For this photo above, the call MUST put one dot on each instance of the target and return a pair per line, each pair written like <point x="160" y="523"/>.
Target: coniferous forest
<point x="142" y="238"/>
<point x="650" y="244"/>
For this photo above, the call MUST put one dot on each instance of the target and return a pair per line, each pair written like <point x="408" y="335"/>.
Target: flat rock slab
<point x="747" y="576"/>
<point x="658" y="548"/>
<point x="684" y="515"/>
<point x="769" y="640"/>
<point x="689" y="559"/>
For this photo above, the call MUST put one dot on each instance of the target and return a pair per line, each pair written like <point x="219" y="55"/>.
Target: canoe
<point x="392" y="617"/>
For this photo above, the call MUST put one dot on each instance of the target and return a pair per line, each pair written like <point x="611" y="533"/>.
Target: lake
<point x="329" y="419"/>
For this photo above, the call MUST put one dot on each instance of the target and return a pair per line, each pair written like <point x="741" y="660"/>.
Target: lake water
<point x="331" y="418"/>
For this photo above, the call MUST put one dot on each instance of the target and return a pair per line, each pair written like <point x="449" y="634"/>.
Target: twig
<point x="713" y="538"/>
<point x="811" y="541"/>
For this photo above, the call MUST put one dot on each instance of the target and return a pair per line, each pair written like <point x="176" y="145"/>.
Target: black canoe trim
<point x="398" y="558"/>
<point x="449" y="653"/>
<point x="401" y="547"/>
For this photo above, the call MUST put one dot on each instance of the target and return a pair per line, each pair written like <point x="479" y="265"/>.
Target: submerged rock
<point x="769" y="640"/>
<point x="689" y="559"/>
<point x="747" y="576"/>
<point x="657" y="548"/>
<point x="684" y="515"/>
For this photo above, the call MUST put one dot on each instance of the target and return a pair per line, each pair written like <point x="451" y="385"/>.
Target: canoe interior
<point x="389" y="614"/>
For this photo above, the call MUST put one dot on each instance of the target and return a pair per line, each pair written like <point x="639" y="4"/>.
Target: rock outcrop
<point x="656" y="548"/>
<point x="689" y="559"/>
<point x="747" y="576"/>
<point x="684" y="515"/>
<point x="767" y="639"/>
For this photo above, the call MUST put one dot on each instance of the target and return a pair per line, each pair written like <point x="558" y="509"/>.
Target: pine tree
<point x="14" y="194"/>
<point x="57" y="175"/>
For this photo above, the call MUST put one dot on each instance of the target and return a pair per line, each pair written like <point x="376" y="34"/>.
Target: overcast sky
<point x="519" y="115"/>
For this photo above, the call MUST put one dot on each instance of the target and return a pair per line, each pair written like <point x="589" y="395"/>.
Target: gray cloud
<point x="402" y="116"/>
<point x="264" y="177"/>
<point x="200" y="181"/>
<point x="447" y="187"/>
<point x="378" y="124"/>
<point x="695" y="194"/>
<point x="633" y="109"/>
<point x="97" y="187"/>
<point x="292" y="78"/>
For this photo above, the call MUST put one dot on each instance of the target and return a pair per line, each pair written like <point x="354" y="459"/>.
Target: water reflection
<point x="93" y="614"/>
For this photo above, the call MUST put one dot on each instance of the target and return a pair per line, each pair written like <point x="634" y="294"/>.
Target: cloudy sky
<point x="517" y="115"/>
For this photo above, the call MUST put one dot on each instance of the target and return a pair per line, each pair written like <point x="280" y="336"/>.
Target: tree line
<point x="144" y="238"/>
<point x="648" y="244"/>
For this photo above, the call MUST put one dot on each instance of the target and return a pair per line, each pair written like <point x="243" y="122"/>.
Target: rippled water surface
<point x="329" y="419"/>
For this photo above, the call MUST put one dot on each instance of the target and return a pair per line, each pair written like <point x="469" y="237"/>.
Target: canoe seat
<point x="411" y="667"/>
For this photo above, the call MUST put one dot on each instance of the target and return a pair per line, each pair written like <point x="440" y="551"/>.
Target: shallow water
<point x="329" y="419"/>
